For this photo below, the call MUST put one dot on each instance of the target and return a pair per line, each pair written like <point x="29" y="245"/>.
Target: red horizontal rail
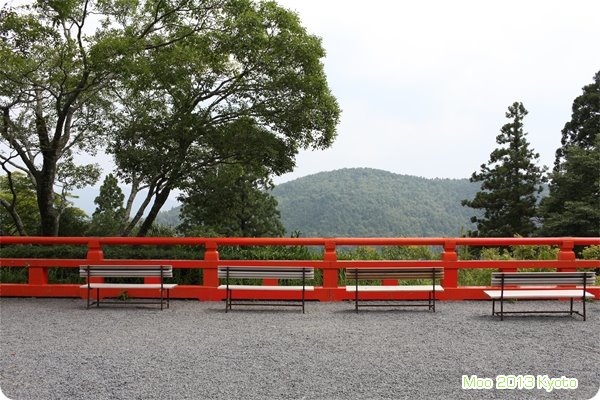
<point x="331" y="289"/>
<point x="237" y="241"/>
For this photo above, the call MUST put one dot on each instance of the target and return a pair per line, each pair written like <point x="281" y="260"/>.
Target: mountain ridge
<point x="370" y="202"/>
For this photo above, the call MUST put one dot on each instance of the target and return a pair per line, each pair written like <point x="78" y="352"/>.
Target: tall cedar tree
<point x="109" y="216"/>
<point x="573" y="205"/>
<point x="510" y="183"/>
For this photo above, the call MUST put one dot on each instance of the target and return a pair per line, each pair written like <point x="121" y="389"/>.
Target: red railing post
<point x="37" y="275"/>
<point x="95" y="255"/>
<point x="210" y="273"/>
<point x="330" y="271"/>
<point x="450" y="257"/>
<point x="566" y="253"/>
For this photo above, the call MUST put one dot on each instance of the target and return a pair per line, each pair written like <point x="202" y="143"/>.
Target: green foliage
<point x="108" y="218"/>
<point x="48" y="95"/>
<point x="73" y="222"/>
<point x="13" y="275"/>
<point x="387" y="253"/>
<point x="510" y="183"/>
<point x="362" y="202"/>
<point x="591" y="253"/>
<point x="573" y="206"/>
<point x="482" y="277"/>
<point x="228" y="201"/>
<point x="584" y="127"/>
<point x="249" y="89"/>
<point x="360" y="253"/>
<point x="41" y="251"/>
<point x="25" y="205"/>
<point x="174" y="87"/>
<point x="409" y="253"/>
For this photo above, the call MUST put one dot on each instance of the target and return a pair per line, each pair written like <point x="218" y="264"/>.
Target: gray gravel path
<point x="57" y="349"/>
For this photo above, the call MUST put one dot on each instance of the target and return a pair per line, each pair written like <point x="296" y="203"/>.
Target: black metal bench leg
<point x="583" y="301"/>
<point x="98" y="297"/>
<point x="571" y="310"/>
<point x="302" y="300"/>
<point x="493" y="307"/>
<point x="501" y="309"/>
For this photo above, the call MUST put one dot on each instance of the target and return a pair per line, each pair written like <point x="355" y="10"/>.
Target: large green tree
<point x="573" y="205"/>
<point x="510" y="183"/>
<point x="247" y="88"/>
<point x="230" y="201"/>
<point x="175" y="85"/>
<point x="49" y="82"/>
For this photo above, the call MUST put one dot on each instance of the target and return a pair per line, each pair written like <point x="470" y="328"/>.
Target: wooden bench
<point x="127" y="271"/>
<point x="395" y="273"/>
<point x="256" y="272"/>
<point x="560" y="285"/>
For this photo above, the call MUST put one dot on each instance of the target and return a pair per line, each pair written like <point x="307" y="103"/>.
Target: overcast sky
<point x="424" y="85"/>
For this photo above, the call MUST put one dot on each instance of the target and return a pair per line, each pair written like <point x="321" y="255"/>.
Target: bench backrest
<point x="543" y="278"/>
<point x="394" y="273"/>
<point x="267" y="272"/>
<point x="126" y="271"/>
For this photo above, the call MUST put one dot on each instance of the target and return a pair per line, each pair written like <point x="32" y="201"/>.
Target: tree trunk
<point x="159" y="201"/>
<point x="127" y="230"/>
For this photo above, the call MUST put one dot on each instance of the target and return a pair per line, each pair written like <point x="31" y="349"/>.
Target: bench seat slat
<point x="266" y="272"/>
<point x="390" y="276"/>
<point x="546" y="281"/>
<point x="394" y="273"/>
<point x="126" y="271"/>
<point x="129" y="286"/>
<point x="266" y="287"/>
<point x="395" y="288"/>
<point x="537" y="294"/>
<point x="126" y="275"/>
<point x="265" y="275"/>
<point x="543" y="278"/>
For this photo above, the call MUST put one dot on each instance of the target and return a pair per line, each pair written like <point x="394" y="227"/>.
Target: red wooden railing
<point x="331" y="289"/>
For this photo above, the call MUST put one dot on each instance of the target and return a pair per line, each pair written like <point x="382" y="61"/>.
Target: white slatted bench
<point x="558" y="285"/>
<point x="127" y="271"/>
<point x="258" y="272"/>
<point x="366" y="273"/>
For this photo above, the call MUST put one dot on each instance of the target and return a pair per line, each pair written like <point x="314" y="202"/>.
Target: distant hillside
<point x="365" y="202"/>
<point x="169" y="217"/>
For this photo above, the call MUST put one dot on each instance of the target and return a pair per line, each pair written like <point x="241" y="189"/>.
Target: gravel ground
<point x="57" y="349"/>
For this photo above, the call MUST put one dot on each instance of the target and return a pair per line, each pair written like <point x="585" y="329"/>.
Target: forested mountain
<point x="365" y="202"/>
